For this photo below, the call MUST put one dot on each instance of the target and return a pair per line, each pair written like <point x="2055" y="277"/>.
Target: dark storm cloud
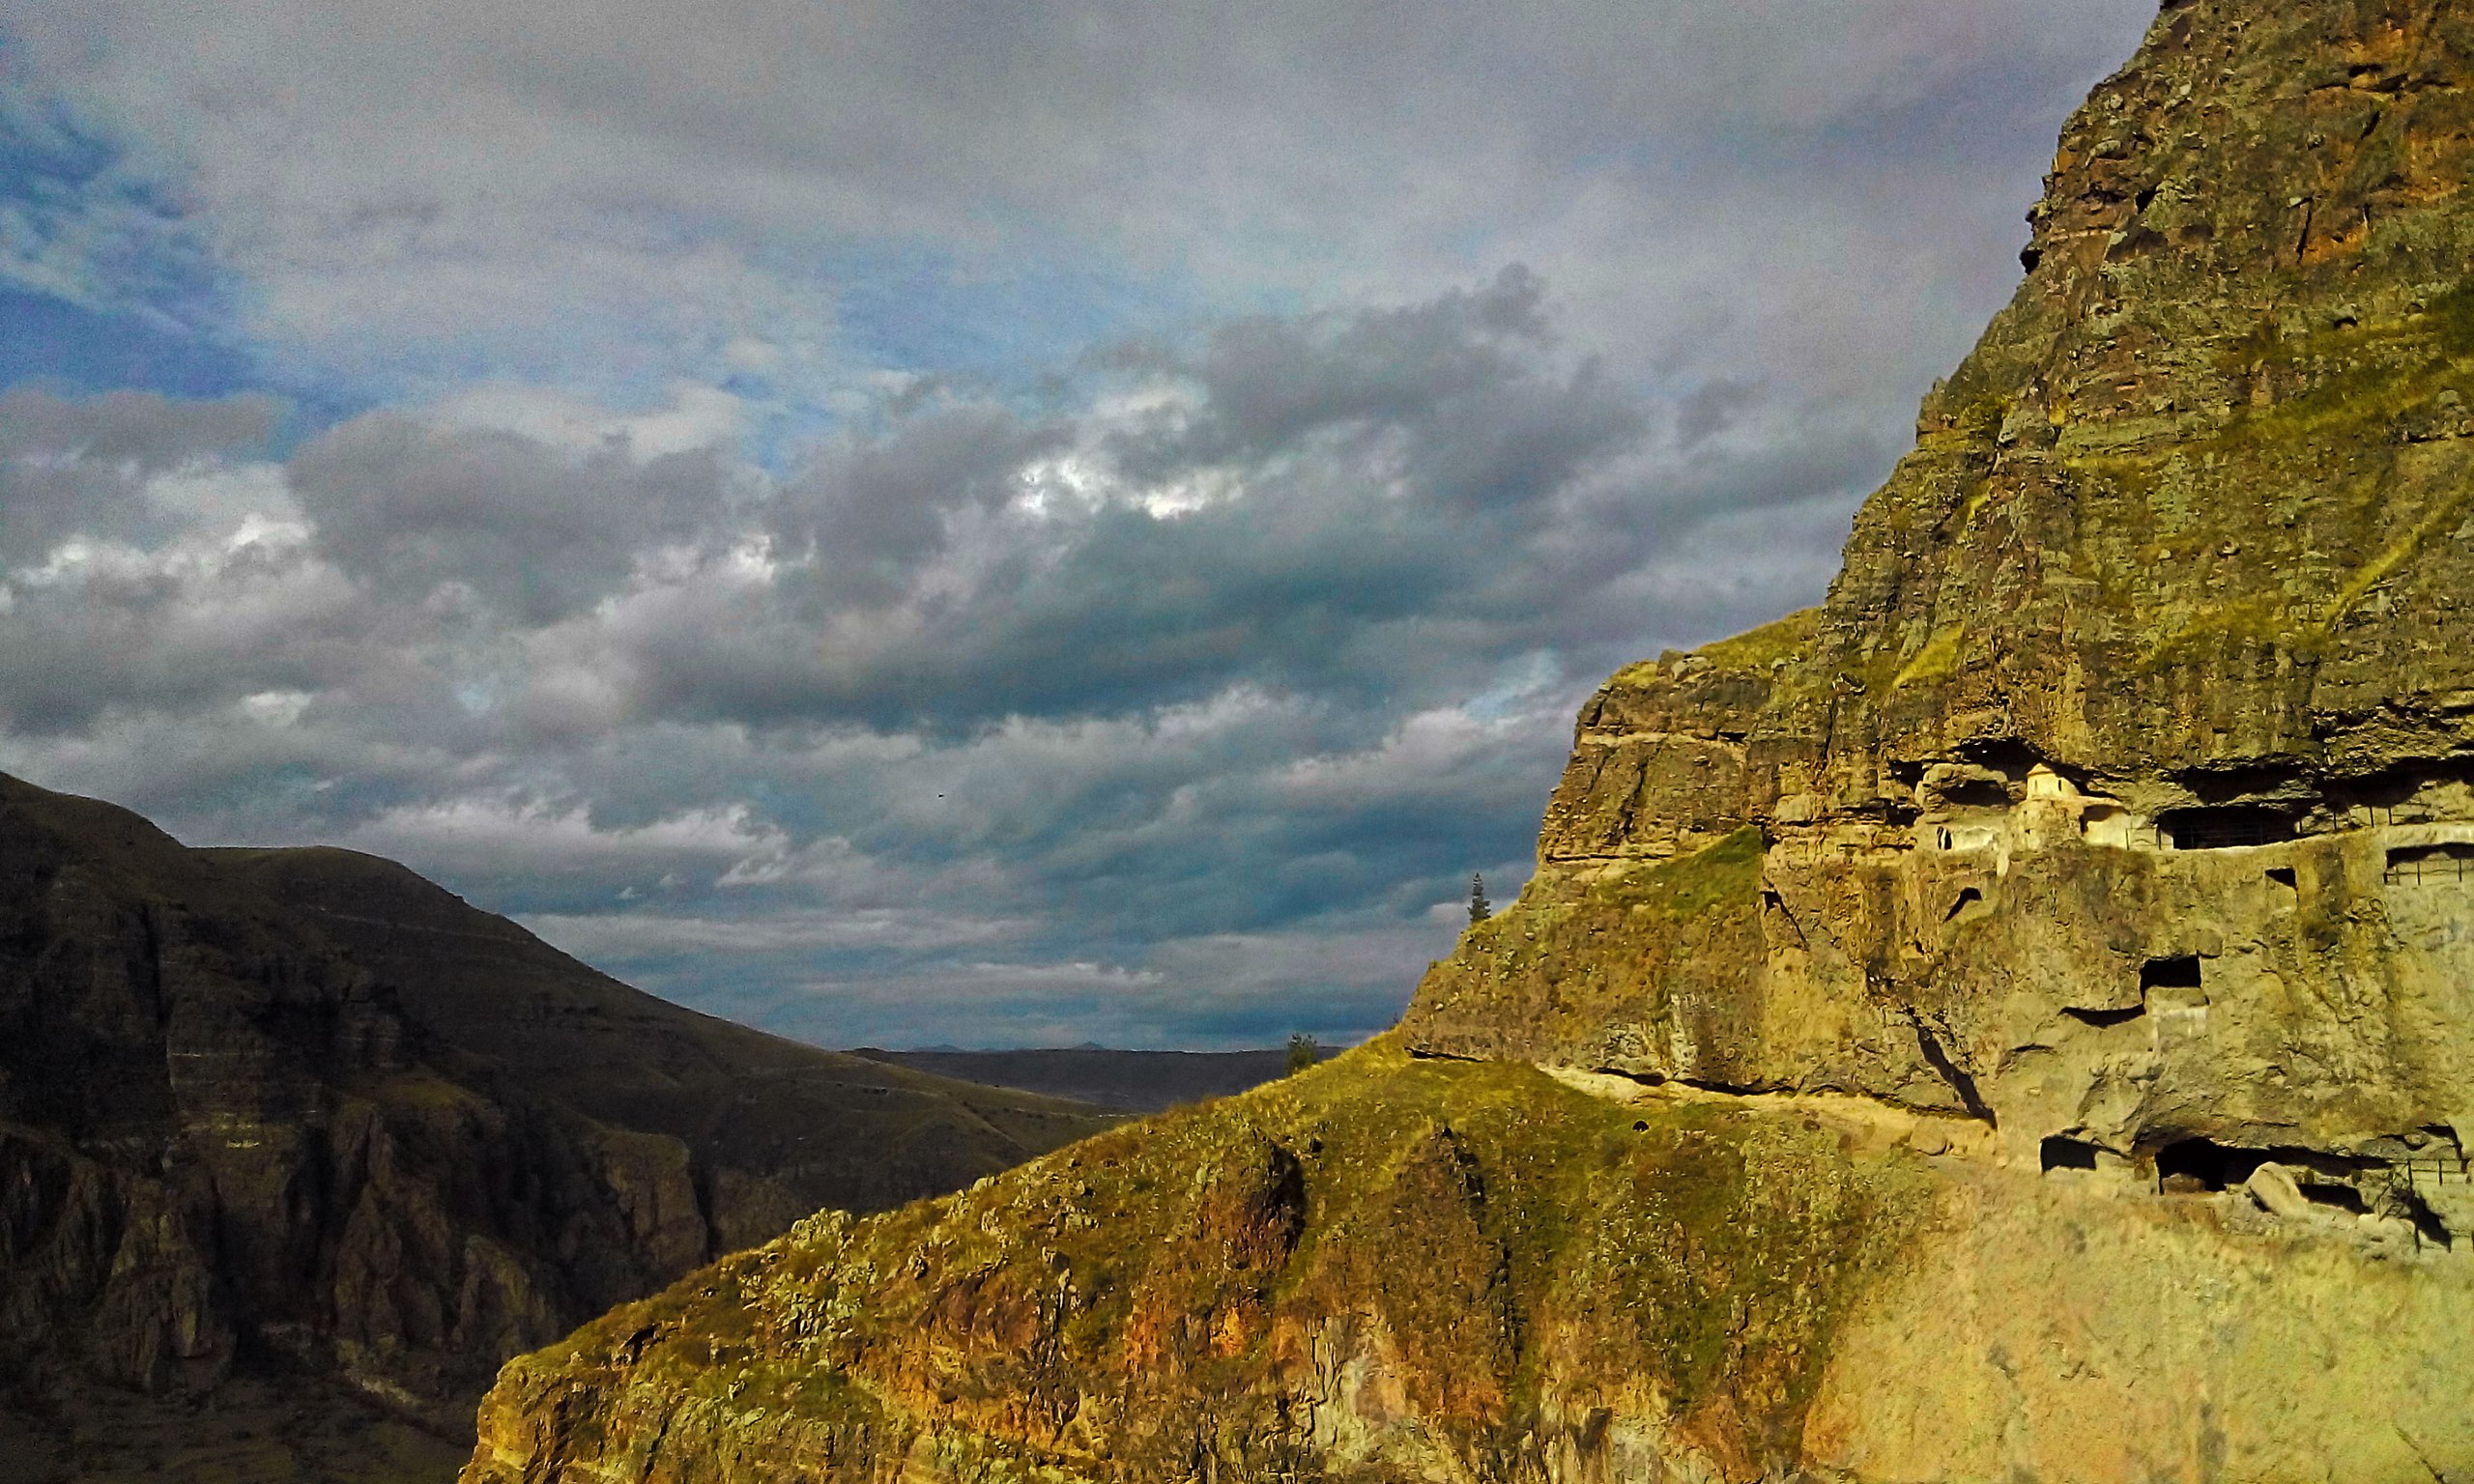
<point x="1453" y="390"/>
<point x="1310" y="504"/>
<point x="76" y="466"/>
<point x="1267" y="638"/>
<point x="1164" y="694"/>
<point x="873" y="509"/>
<point x="528" y="530"/>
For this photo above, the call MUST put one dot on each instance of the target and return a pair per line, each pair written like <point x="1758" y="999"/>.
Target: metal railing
<point x="2417" y="868"/>
<point x="2434" y="1171"/>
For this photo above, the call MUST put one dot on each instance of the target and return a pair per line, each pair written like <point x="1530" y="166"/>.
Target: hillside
<point x="1134" y="1081"/>
<point x="301" y="1117"/>
<point x="2012" y="1021"/>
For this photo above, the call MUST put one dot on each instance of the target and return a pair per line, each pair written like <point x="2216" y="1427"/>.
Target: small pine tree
<point x="1304" y="1051"/>
<point x="1479" y="908"/>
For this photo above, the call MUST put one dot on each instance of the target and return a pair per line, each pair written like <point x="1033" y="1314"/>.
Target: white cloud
<point x="275" y="708"/>
<point x="686" y="593"/>
<point x="568" y="186"/>
<point x="252" y="499"/>
<point x="697" y="418"/>
<point x="513" y="834"/>
<point x="620" y="936"/>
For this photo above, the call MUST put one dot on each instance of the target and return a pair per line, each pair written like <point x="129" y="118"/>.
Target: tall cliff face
<point x="2012" y="1021"/>
<point x="305" y="1111"/>
<point x="2118" y="791"/>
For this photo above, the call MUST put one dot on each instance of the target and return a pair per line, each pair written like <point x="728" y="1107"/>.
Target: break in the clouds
<point x="954" y="523"/>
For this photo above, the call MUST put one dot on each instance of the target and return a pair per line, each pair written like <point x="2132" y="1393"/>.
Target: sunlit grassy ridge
<point x="1504" y="1237"/>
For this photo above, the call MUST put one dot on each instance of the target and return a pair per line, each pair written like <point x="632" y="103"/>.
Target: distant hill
<point x="1136" y="1081"/>
<point x="283" y="1125"/>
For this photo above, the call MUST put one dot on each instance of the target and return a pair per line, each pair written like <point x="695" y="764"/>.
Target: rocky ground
<point x="1403" y="1269"/>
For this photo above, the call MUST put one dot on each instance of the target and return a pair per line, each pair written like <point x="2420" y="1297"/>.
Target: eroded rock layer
<point x="2013" y="1022"/>
<point x="2123" y="792"/>
<point x="1396" y="1269"/>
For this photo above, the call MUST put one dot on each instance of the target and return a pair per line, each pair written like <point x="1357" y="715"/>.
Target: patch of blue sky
<point x="82" y="223"/>
<point x="918" y="307"/>
<point x="107" y="285"/>
<point x="106" y="282"/>
<point x="912" y="312"/>
<point x="54" y="341"/>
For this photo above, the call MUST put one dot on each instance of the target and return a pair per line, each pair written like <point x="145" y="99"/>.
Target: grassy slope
<point x="1504" y="1255"/>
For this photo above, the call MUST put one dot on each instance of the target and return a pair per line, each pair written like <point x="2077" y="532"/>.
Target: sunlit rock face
<point x="2012" y="1021"/>
<point x="2097" y="982"/>
<point x="2122" y="791"/>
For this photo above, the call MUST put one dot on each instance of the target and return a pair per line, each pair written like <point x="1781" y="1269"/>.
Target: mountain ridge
<point x="1104" y="1076"/>
<point x="302" y="1112"/>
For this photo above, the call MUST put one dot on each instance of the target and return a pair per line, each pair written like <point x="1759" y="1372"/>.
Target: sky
<point x="956" y="522"/>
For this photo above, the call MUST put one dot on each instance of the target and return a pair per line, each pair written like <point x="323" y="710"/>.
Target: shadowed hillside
<point x="301" y="1116"/>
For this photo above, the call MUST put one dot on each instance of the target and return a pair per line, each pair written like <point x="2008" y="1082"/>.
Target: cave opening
<point x="2244" y="781"/>
<point x="2203" y="1164"/>
<point x="2421" y="865"/>
<point x="2179" y="972"/>
<point x="2225" y="827"/>
<point x="1976" y="793"/>
<point x="2009" y="756"/>
<point x="2058" y="1152"/>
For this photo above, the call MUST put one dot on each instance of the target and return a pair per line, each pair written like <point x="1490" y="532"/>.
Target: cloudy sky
<point x="956" y="522"/>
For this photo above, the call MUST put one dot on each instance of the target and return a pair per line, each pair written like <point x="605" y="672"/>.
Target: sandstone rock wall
<point x="2121" y="791"/>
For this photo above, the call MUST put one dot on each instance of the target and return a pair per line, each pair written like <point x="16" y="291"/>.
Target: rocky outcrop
<point x="2121" y="791"/>
<point x="1353" y="1269"/>
<point x="301" y="1111"/>
<point x="1396" y="1269"/>
<point x="2015" y="1020"/>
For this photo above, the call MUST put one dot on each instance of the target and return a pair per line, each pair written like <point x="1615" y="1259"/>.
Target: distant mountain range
<point x="286" y="1135"/>
<point x="1134" y="1081"/>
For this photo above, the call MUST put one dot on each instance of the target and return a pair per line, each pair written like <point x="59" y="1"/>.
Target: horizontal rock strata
<point x="298" y="1112"/>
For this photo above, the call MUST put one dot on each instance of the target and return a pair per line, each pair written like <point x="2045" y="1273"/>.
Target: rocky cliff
<point x="300" y="1113"/>
<point x="2118" y="792"/>
<point x="2015" y="1020"/>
